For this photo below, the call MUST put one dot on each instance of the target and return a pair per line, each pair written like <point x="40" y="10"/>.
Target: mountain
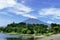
<point x="34" y="21"/>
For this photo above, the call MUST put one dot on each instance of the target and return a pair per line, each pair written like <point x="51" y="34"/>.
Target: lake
<point x="4" y="36"/>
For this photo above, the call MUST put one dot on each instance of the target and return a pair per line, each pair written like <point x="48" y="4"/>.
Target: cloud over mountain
<point x="14" y="7"/>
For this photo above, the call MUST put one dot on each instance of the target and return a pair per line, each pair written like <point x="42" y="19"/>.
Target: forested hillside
<point x="38" y="29"/>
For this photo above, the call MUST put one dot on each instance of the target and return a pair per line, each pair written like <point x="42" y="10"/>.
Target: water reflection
<point x="4" y="36"/>
<point x="20" y="39"/>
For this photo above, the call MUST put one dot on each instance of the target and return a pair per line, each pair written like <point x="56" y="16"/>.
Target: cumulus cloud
<point x="54" y="12"/>
<point x="16" y="8"/>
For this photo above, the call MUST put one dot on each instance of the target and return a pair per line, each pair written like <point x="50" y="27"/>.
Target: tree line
<point x="23" y="28"/>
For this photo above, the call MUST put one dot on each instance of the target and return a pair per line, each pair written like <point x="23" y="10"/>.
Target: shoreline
<point x="52" y="37"/>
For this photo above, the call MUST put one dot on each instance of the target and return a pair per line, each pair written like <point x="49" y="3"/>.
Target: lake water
<point x="4" y="36"/>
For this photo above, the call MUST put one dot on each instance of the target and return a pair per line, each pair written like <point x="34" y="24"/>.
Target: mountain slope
<point x="34" y="21"/>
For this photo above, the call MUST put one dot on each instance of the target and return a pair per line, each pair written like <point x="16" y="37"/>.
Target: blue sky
<point x="18" y="10"/>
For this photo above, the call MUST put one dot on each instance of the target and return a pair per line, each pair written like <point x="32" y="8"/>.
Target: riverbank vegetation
<point x="37" y="29"/>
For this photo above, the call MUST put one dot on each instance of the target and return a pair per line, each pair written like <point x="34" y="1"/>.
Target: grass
<point x="12" y="33"/>
<point x="45" y="34"/>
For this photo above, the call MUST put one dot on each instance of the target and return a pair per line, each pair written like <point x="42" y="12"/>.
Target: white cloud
<point x="26" y="15"/>
<point x="23" y="8"/>
<point x="55" y="12"/>
<point x="7" y="3"/>
<point x="18" y="11"/>
<point x="50" y="22"/>
<point x="17" y="8"/>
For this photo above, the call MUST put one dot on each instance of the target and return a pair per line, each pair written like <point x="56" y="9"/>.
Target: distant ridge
<point x="34" y="21"/>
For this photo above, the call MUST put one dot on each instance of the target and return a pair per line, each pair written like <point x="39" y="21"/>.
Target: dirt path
<point x="53" y="37"/>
